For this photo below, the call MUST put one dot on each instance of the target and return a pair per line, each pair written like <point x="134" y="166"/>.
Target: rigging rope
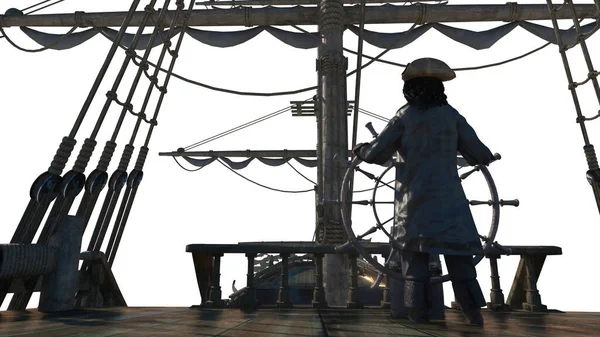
<point x="39" y="9"/>
<point x="302" y="175"/>
<point x="57" y="41"/>
<point x="374" y="115"/>
<point x="358" y="73"/>
<point x="185" y="168"/>
<point x="36" y="10"/>
<point x="240" y="127"/>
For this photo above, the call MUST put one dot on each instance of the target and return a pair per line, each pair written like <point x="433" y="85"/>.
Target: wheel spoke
<point x="368" y="232"/>
<point x="371" y="202"/>
<point x="468" y="173"/>
<point x="380" y="226"/>
<point x="514" y="202"/>
<point x="479" y="202"/>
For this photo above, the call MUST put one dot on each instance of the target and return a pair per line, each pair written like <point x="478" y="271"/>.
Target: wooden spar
<point x="246" y="154"/>
<point x="292" y="2"/>
<point x="273" y="16"/>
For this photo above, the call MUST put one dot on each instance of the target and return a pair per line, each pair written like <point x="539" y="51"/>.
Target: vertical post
<point x="532" y="295"/>
<point x="250" y="297"/>
<point x="496" y="296"/>
<point x="214" y="298"/>
<point x="333" y="119"/>
<point x="60" y="286"/>
<point x="319" y="300"/>
<point x="385" y="300"/>
<point x="353" y="301"/>
<point x="283" y="298"/>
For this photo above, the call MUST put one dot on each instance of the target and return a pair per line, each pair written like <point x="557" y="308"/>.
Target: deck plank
<point x="301" y="322"/>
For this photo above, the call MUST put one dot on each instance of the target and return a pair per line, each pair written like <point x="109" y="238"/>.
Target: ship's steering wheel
<point x="356" y="240"/>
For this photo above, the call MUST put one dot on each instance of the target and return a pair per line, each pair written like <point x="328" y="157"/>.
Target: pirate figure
<point x="432" y="213"/>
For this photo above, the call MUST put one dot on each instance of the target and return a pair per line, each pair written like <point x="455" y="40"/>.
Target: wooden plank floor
<point x="287" y="323"/>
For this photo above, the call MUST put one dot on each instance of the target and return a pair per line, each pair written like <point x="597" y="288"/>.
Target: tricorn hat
<point x="428" y="67"/>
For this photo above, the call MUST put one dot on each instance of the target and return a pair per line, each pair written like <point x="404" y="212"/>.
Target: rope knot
<point x="128" y="106"/>
<point x="168" y="43"/>
<point x="111" y="95"/>
<point x="153" y="79"/>
<point x="131" y="53"/>
<point x="513" y="11"/>
<point x="180" y="5"/>
<point x="590" y="156"/>
<point x="144" y="65"/>
<point x="149" y="9"/>
<point x="79" y="19"/>
<point x="62" y="155"/>
<point x="163" y="90"/>
<point x="87" y="149"/>
<point x="422" y="19"/>
<point x="174" y="53"/>
<point x="106" y="156"/>
<point x="153" y="122"/>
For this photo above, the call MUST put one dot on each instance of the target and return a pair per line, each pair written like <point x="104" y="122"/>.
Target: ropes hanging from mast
<point x="136" y="175"/>
<point x="51" y="185"/>
<point x="119" y="177"/>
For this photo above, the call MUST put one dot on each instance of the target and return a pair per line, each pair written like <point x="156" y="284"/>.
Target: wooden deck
<point x="292" y="322"/>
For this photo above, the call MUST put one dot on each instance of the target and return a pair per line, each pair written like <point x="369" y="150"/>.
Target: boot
<point x="473" y="317"/>
<point x="416" y="301"/>
<point x="418" y="315"/>
<point x="470" y="300"/>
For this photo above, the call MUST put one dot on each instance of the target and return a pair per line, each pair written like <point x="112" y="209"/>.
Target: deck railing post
<point x="215" y="300"/>
<point x="319" y="292"/>
<point x="250" y="297"/>
<point x="496" y="296"/>
<point x="353" y="301"/>
<point x="283" y="297"/>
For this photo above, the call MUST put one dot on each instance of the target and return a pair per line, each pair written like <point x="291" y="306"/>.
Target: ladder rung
<point x="590" y="76"/>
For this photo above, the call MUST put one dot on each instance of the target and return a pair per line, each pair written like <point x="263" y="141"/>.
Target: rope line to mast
<point x="39" y="9"/>
<point x="240" y="127"/>
<point x="302" y="175"/>
<point x="37" y="4"/>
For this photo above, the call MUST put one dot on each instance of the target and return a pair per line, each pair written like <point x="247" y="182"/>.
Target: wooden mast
<point x="332" y="122"/>
<point x="309" y="15"/>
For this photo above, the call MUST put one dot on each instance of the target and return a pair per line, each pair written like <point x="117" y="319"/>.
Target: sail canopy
<point x="223" y="39"/>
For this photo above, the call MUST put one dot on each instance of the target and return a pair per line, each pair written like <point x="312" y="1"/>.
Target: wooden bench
<point x="524" y="293"/>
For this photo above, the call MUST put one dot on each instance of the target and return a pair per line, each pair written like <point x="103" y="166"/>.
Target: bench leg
<point x="214" y="300"/>
<point x="524" y="293"/>
<point x="203" y="267"/>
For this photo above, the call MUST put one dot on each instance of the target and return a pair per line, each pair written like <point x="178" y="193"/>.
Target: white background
<point x="522" y="110"/>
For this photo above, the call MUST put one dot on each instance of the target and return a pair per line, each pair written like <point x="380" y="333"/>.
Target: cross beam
<point x="247" y="154"/>
<point x="273" y="16"/>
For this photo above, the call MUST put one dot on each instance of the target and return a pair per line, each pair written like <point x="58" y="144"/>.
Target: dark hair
<point x="424" y="92"/>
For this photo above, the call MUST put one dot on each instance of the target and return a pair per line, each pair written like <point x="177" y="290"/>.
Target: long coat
<point x="432" y="213"/>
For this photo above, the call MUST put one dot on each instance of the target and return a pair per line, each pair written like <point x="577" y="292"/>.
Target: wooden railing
<point x="207" y="262"/>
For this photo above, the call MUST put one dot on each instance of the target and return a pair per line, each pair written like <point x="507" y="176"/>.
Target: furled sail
<point x="223" y="39"/>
